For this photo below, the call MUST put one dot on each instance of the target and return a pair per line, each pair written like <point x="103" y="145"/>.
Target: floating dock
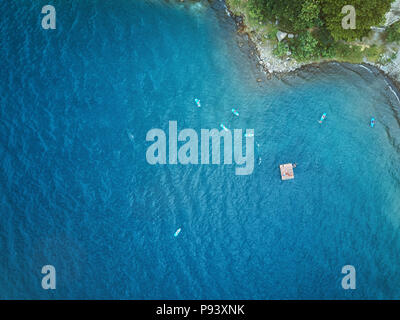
<point x="287" y="171"/>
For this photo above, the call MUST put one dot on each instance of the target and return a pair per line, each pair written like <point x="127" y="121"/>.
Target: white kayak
<point x="177" y="232"/>
<point x="223" y="127"/>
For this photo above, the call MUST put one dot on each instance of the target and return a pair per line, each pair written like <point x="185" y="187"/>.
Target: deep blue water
<point x="77" y="193"/>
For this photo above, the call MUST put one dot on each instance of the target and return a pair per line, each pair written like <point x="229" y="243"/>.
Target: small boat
<point x="372" y="122"/>
<point x="323" y="117"/>
<point x="235" y="112"/>
<point x="223" y="127"/>
<point x="197" y="102"/>
<point x="249" y="135"/>
<point x="177" y="232"/>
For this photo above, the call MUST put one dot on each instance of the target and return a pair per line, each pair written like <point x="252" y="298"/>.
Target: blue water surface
<point x="77" y="193"/>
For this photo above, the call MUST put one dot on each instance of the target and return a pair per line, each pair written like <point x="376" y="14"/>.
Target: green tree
<point x="286" y="11"/>
<point x="256" y="10"/>
<point x="281" y="49"/>
<point x="309" y="15"/>
<point x="319" y="25"/>
<point x="393" y="32"/>
<point x="306" y="47"/>
<point x="368" y="13"/>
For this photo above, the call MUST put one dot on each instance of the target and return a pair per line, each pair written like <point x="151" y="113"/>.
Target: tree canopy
<point x="299" y="15"/>
<point x="318" y="29"/>
<point x="368" y="13"/>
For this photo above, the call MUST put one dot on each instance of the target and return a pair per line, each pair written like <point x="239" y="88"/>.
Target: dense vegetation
<point x="317" y="25"/>
<point x="393" y="32"/>
<point x="369" y="13"/>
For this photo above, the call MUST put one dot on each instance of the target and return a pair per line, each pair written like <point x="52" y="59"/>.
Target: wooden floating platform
<point x="287" y="171"/>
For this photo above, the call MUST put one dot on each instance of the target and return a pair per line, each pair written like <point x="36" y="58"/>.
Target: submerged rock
<point x="239" y="20"/>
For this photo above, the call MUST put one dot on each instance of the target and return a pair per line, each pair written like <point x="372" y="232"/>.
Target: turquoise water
<point x="77" y="193"/>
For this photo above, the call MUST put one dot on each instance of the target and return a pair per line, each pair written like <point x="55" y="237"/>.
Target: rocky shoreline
<point x="273" y="65"/>
<point x="266" y="59"/>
